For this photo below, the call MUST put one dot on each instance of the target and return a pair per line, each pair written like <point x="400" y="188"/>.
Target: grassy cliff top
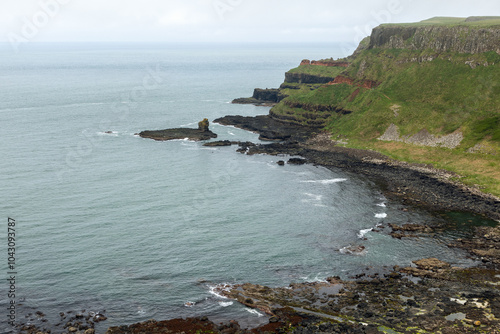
<point x="438" y="76"/>
<point x="473" y="21"/>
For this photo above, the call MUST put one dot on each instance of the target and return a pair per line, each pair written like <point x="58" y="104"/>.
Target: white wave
<point x="225" y="304"/>
<point x="189" y="124"/>
<point x="382" y="205"/>
<point x="314" y="197"/>
<point x="108" y="133"/>
<point x="232" y="134"/>
<point x="316" y="279"/>
<point x="362" y="233"/>
<point x="257" y="313"/>
<point x="218" y="288"/>
<point x="21" y="108"/>
<point x="330" y="181"/>
<point x="381" y="215"/>
<point x="53" y="106"/>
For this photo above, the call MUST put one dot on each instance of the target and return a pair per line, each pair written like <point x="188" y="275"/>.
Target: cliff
<point x="304" y="78"/>
<point x="432" y="84"/>
<point x="464" y="37"/>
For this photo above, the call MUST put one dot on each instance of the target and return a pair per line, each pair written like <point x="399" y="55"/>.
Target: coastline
<point x="413" y="184"/>
<point x="423" y="298"/>
<point x="427" y="297"/>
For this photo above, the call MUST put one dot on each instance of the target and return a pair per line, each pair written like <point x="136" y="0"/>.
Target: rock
<point x="220" y="143"/>
<point x="202" y="133"/>
<point x="297" y="161"/>
<point x="440" y="38"/>
<point x="90" y="331"/>
<point x="431" y="264"/>
<point x="411" y="228"/>
<point x="281" y="163"/>
<point x="303" y="78"/>
<point x="268" y="128"/>
<point x="203" y="125"/>
<point x="99" y="318"/>
<point x="263" y="97"/>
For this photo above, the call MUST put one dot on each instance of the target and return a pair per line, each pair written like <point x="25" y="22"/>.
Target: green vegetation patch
<point x="474" y="21"/>
<point x="323" y="71"/>
<point x="487" y="127"/>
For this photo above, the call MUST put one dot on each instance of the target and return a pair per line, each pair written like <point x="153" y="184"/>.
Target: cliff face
<point x="268" y="95"/>
<point x="461" y="39"/>
<point x="303" y="78"/>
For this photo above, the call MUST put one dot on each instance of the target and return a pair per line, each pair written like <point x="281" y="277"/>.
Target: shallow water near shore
<point x="106" y="220"/>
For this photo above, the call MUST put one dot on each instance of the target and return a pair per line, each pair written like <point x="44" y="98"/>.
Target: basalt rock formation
<point x="440" y="38"/>
<point x="268" y="96"/>
<point x="200" y="134"/>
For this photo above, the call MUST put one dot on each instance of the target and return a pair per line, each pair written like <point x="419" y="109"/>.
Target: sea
<point x="96" y="218"/>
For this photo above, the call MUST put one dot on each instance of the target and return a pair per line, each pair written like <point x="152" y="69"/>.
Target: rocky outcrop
<point x="202" y="133"/>
<point x="326" y="63"/>
<point x="268" y="128"/>
<point x="439" y="38"/>
<point x="303" y="78"/>
<point x="268" y="96"/>
<point x="388" y="302"/>
<point x="485" y="244"/>
<point x="203" y="125"/>
<point x="423" y="138"/>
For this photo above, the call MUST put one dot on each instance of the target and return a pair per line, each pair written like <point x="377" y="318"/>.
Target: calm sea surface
<point x="107" y="220"/>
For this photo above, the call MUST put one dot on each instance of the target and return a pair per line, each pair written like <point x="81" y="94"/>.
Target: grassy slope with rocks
<point x="442" y="91"/>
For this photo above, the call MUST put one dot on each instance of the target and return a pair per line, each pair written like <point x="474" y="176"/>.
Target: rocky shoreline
<point x="413" y="184"/>
<point x="430" y="296"/>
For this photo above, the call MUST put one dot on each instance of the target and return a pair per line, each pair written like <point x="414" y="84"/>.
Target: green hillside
<point x="477" y="21"/>
<point x="435" y="91"/>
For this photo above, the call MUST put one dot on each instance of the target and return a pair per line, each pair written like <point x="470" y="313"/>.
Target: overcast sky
<point x="218" y="20"/>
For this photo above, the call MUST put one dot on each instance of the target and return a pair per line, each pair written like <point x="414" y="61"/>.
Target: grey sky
<point x="218" y="20"/>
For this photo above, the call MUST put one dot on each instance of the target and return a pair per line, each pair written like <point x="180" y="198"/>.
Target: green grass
<point x="442" y="94"/>
<point x="476" y="21"/>
<point x="324" y="71"/>
<point x="479" y="170"/>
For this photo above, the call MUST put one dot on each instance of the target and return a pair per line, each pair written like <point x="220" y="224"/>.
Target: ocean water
<point x="106" y="220"/>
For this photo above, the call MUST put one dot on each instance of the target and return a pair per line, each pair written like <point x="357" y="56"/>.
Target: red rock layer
<point x="368" y="84"/>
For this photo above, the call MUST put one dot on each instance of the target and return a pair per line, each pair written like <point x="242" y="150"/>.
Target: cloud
<point x="226" y="20"/>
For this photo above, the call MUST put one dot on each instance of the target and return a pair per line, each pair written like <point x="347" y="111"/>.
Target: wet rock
<point x="220" y="143"/>
<point x="203" y="125"/>
<point x="200" y="134"/>
<point x="485" y="244"/>
<point x="411" y="228"/>
<point x="296" y="161"/>
<point x="431" y="264"/>
<point x="268" y="128"/>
